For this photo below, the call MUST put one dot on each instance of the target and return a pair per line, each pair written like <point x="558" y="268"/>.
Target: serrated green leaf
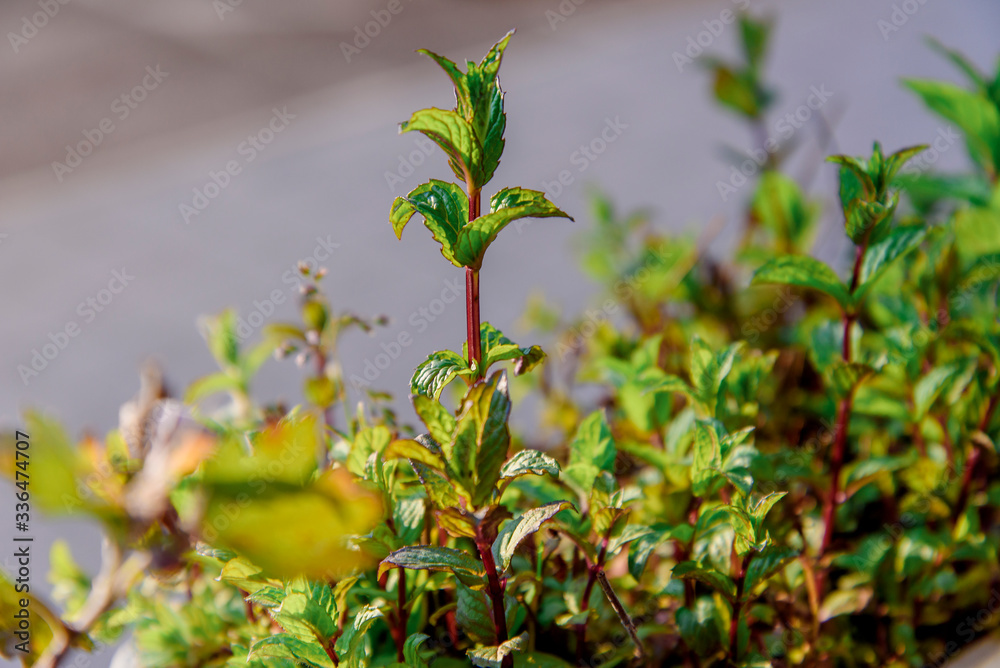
<point x="477" y="236"/>
<point x="973" y="113"/>
<point x="498" y="348"/>
<point x="766" y="563"/>
<point x="433" y="374"/>
<point x="529" y="462"/>
<point x="643" y="546"/>
<point x="479" y="100"/>
<point x="439" y="490"/>
<point x="519" y="528"/>
<point x="690" y="570"/>
<point x="466" y="568"/>
<point x="474" y="615"/>
<point x="288" y="646"/>
<point x="368" y="441"/>
<point x="439" y="420"/>
<point x="627" y="534"/>
<point x="243" y="574"/>
<point x="411" y="650"/>
<point x="310" y="614"/>
<point x="879" y="256"/>
<point x="444" y="207"/>
<point x="492" y="657"/>
<point x="707" y="458"/>
<point x="709" y="371"/>
<point x="740" y="478"/>
<point x="747" y="537"/>
<point x="350" y="646"/>
<point x="804" y="272"/>
<point x="479" y="448"/>
<point x="456" y="138"/>
<point x="762" y="506"/>
<point x="406" y="448"/>
<point x="897" y="160"/>
<point x="591" y="451"/>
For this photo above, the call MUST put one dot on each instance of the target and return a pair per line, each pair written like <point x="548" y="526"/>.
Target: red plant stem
<point x="623" y="616"/>
<point x="403" y="613"/>
<point x="472" y="289"/>
<point x="841" y="428"/>
<point x="472" y="317"/>
<point x="836" y="464"/>
<point x="496" y="593"/>
<point x="593" y="569"/>
<point x="734" y="623"/>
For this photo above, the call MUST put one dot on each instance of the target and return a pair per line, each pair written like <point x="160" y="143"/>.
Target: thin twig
<point x="622" y="613"/>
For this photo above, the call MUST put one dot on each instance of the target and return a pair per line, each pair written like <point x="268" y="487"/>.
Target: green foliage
<point x="739" y="86"/>
<point x="768" y="462"/>
<point x="471" y="136"/>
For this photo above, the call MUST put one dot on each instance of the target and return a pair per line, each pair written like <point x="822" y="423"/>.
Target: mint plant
<point x="769" y="461"/>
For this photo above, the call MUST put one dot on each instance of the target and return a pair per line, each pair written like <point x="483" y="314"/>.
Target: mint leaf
<point x="978" y="118"/>
<point x="690" y="570"/>
<point x="804" y="272"/>
<point x="522" y="526"/>
<point x="492" y="657"/>
<point x="591" y="451"/>
<point x="466" y="568"/>
<point x="506" y="206"/>
<point x="479" y="448"/>
<point x="529" y="462"/>
<point x="456" y="138"/>
<point x="444" y="207"/>
<point x="879" y="256"/>
<point x="433" y="374"/>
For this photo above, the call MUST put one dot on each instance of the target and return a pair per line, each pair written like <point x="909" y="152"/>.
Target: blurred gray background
<point x="320" y="189"/>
